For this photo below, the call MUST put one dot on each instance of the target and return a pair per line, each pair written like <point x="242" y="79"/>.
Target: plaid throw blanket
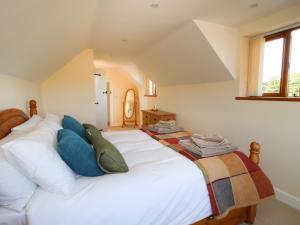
<point x="233" y="180"/>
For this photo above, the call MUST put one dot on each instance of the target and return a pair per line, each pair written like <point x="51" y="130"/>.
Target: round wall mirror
<point x="129" y="103"/>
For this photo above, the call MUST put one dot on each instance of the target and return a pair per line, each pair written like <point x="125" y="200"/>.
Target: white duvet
<point x="162" y="187"/>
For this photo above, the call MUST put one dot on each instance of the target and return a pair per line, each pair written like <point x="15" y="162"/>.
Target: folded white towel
<point x="164" y="130"/>
<point x="169" y="122"/>
<point x="158" y="125"/>
<point x="209" y="141"/>
<point x="189" y="145"/>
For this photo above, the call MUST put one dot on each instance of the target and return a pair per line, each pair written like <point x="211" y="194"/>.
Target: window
<point x="150" y="89"/>
<point x="281" y="66"/>
<point x="294" y="72"/>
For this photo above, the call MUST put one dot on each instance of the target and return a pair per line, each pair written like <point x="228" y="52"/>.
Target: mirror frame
<point x="134" y="102"/>
<point x="133" y="118"/>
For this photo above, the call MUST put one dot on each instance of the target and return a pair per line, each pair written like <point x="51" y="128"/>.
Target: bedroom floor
<point x="273" y="212"/>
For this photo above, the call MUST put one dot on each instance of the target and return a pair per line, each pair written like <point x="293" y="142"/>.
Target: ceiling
<point x="38" y="37"/>
<point x="140" y="25"/>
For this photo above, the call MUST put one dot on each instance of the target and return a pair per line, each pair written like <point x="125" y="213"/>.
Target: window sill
<point x="150" y="95"/>
<point x="260" y="98"/>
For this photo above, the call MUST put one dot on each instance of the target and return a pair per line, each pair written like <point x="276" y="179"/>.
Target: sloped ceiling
<point x="225" y="42"/>
<point x="38" y="37"/>
<point x="183" y="57"/>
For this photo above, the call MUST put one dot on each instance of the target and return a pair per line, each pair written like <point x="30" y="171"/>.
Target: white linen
<point x="54" y="118"/>
<point x="10" y="217"/>
<point x="15" y="188"/>
<point x="162" y="188"/>
<point x="35" y="156"/>
<point x="12" y="136"/>
<point x="28" y="125"/>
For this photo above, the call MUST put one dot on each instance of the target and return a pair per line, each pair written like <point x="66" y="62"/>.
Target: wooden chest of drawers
<point x="152" y="117"/>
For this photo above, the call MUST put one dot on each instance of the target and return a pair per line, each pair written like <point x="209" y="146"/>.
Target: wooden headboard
<point x="10" y="118"/>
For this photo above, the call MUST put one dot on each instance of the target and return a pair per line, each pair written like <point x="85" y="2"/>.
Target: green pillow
<point x="87" y="125"/>
<point x="109" y="159"/>
<point x="92" y="128"/>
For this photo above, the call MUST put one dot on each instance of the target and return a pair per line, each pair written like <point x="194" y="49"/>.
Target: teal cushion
<point x="71" y="123"/>
<point x="109" y="159"/>
<point x="77" y="154"/>
<point x="64" y="132"/>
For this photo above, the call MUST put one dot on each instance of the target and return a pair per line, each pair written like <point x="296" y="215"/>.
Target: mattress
<point x="162" y="187"/>
<point x="10" y="217"/>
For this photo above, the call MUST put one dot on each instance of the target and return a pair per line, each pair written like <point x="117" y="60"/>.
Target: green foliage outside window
<point x="294" y="85"/>
<point x="273" y="86"/>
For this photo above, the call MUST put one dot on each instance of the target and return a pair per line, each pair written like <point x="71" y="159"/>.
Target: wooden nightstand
<point x="153" y="117"/>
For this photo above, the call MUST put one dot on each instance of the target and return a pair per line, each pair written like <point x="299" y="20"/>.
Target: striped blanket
<point x="233" y="180"/>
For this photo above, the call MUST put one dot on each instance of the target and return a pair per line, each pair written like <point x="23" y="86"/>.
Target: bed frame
<point x="13" y="117"/>
<point x="10" y="118"/>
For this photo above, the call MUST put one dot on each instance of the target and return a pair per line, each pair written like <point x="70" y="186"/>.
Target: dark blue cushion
<point x="77" y="154"/>
<point x="71" y="123"/>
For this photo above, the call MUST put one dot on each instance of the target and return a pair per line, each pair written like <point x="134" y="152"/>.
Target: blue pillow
<point x="71" y="123"/>
<point x="64" y="132"/>
<point x="77" y="154"/>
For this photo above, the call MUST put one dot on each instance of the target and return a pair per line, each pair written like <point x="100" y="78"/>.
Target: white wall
<point x="71" y="89"/>
<point x="16" y="93"/>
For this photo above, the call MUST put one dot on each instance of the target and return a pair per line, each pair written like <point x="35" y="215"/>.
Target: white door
<point x="101" y="101"/>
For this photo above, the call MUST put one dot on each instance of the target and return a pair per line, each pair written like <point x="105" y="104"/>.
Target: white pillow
<point x="35" y="156"/>
<point x="53" y="121"/>
<point x="53" y="117"/>
<point x="15" y="188"/>
<point x="28" y="125"/>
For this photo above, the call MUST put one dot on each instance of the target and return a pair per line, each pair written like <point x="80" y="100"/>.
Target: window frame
<point x="153" y="89"/>
<point x="286" y="35"/>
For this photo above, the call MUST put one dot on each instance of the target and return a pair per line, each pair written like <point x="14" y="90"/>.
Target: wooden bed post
<point x="254" y="156"/>
<point x="254" y="152"/>
<point x="33" y="108"/>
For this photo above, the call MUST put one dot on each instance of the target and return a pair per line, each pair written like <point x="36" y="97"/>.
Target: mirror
<point x="129" y="103"/>
<point x="129" y="108"/>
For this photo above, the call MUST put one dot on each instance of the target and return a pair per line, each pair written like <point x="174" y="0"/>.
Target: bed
<point x="161" y="187"/>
